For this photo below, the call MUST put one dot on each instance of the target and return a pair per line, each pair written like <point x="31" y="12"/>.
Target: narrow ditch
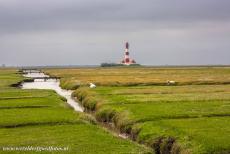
<point x="39" y="80"/>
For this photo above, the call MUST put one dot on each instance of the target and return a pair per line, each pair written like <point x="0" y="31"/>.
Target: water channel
<point x="53" y="84"/>
<point x="42" y="81"/>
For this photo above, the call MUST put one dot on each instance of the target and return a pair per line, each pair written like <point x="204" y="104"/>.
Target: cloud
<point x="74" y="28"/>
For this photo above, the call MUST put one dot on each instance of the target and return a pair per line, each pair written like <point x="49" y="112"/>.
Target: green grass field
<point x="192" y="116"/>
<point x="40" y="118"/>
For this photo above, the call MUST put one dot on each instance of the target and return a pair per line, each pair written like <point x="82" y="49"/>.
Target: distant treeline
<point x="115" y="64"/>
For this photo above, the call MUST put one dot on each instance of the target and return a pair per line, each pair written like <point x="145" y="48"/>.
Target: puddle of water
<point x="50" y="84"/>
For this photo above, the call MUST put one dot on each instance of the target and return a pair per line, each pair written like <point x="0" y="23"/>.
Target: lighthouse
<point x="127" y="60"/>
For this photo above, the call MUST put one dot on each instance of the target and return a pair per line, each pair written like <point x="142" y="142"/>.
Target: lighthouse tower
<point x="127" y="60"/>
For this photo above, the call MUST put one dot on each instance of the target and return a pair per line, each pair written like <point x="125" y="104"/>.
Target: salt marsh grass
<point x="41" y="118"/>
<point x="191" y="116"/>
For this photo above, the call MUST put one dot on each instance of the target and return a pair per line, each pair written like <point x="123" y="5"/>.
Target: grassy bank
<point x="40" y="118"/>
<point x="191" y="116"/>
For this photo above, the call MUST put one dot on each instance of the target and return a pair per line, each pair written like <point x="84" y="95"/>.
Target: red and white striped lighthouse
<point x="127" y="60"/>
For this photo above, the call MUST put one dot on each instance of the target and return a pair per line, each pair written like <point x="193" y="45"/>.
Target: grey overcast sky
<point x="87" y="32"/>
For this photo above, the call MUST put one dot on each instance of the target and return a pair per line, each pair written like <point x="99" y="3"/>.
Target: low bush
<point x="89" y="103"/>
<point x="123" y="121"/>
<point x="105" y="115"/>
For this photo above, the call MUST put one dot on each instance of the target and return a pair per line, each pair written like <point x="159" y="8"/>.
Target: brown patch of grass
<point x="144" y="75"/>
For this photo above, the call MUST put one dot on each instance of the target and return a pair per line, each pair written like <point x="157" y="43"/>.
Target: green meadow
<point x="199" y="122"/>
<point x="190" y="116"/>
<point x="41" y="118"/>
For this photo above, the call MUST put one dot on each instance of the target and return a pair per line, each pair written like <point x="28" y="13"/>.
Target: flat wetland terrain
<point x="190" y="116"/>
<point x="41" y="118"/>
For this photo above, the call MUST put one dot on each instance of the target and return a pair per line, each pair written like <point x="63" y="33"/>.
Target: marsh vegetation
<point x="191" y="116"/>
<point x="42" y="118"/>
